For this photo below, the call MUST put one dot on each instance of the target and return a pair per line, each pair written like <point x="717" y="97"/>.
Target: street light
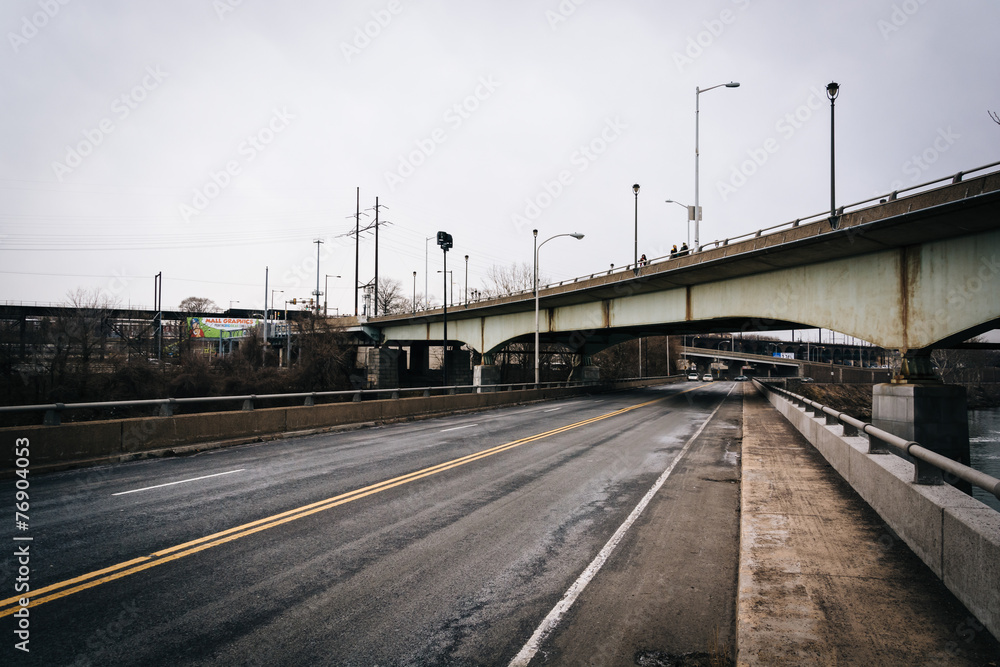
<point x="690" y="210"/>
<point x="538" y="246"/>
<point x="326" y="290"/>
<point x="414" y="292"/>
<point x="697" y="207"/>
<point x="450" y="278"/>
<point x="319" y="242"/>
<point x="832" y="91"/>
<point x="635" y="262"/>
<point x="466" y="281"/>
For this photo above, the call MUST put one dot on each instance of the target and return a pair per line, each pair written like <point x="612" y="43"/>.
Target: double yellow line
<point x="96" y="578"/>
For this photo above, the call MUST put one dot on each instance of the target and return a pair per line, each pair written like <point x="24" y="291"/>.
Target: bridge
<point x="909" y="273"/>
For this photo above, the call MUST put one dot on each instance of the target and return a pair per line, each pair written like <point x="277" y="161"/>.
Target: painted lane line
<point x="456" y="428"/>
<point x="183" y="481"/>
<point x="552" y="410"/>
<point x="551" y="621"/>
<point x="135" y="565"/>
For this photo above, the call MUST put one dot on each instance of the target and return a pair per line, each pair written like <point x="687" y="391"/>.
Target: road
<point x="448" y="541"/>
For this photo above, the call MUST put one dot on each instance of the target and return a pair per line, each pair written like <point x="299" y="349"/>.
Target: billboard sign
<point x="221" y="327"/>
<point x="784" y="355"/>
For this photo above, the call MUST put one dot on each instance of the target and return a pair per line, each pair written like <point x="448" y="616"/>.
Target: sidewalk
<point x="822" y="579"/>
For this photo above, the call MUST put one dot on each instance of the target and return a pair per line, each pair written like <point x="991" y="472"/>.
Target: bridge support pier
<point x="485" y="377"/>
<point x="918" y="407"/>
<point x="383" y="366"/>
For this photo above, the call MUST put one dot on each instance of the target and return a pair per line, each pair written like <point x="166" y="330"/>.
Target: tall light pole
<point x="832" y="90"/>
<point x="414" y="292"/>
<point x="691" y="214"/>
<point x="697" y="201"/>
<point x="538" y="246"/>
<point x="317" y="293"/>
<point x="326" y="290"/>
<point x="466" y="281"/>
<point x="449" y="278"/>
<point x="635" y="262"/>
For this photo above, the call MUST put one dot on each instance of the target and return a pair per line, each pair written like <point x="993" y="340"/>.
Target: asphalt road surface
<point x="595" y="530"/>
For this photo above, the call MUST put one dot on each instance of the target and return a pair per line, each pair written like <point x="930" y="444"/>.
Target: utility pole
<point x="357" y="245"/>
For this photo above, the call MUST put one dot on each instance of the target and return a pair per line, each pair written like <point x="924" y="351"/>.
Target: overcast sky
<point x="209" y="140"/>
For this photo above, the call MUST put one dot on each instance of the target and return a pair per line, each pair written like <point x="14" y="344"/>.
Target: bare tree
<point x="505" y="280"/>
<point x="198" y="304"/>
<point x="391" y="300"/>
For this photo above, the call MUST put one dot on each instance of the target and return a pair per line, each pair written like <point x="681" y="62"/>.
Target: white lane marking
<point x="193" y="479"/>
<point x="552" y="410"/>
<point x="550" y="622"/>
<point x="455" y="428"/>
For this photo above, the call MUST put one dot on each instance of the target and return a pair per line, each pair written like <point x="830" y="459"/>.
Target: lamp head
<point x="635" y="188"/>
<point x="832" y="90"/>
<point x="577" y="236"/>
<point x="733" y="84"/>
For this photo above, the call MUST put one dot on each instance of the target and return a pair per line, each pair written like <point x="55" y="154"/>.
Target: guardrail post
<point x="311" y="399"/>
<point x="248" y="403"/>
<point x="395" y="394"/>
<point x="923" y="472"/>
<point x="167" y="408"/>
<point x="875" y="445"/>
<point x="53" y="417"/>
<point x="357" y="397"/>
<point x="850" y="431"/>
<point x="831" y="419"/>
<point x="427" y="392"/>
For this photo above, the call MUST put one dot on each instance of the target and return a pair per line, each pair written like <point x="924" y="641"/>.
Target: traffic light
<point x="444" y="240"/>
<point x="293" y="302"/>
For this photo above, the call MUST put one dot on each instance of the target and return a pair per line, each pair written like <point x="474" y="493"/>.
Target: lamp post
<point x="466" y="281"/>
<point x="414" y="292"/>
<point x="445" y="241"/>
<point x="449" y="278"/>
<point x="635" y="262"/>
<point x="317" y="293"/>
<point x="326" y="290"/>
<point x="691" y="214"/>
<point x="697" y="207"/>
<point x="538" y="246"/>
<point x="832" y="91"/>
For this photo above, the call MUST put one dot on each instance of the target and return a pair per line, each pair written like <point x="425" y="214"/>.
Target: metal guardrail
<point x="53" y="411"/>
<point x="929" y="466"/>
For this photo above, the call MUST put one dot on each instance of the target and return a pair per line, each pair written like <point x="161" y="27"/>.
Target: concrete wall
<point x="111" y="441"/>
<point x="957" y="536"/>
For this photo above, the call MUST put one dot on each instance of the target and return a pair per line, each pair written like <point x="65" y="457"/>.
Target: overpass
<point x="908" y="273"/>
<point x="783" y="366"/>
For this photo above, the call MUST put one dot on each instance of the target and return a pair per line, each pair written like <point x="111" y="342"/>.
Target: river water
<point x="984" y="448"/>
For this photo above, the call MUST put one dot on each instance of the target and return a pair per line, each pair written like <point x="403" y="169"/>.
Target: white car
<point x="692" y="376"/>
<point x="707" y="377"/>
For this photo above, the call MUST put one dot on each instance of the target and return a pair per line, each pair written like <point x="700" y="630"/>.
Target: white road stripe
<point x="193" y="479"/>
<point x="552" y="410"/>
<point x="550" y="622"/>
<point x="455" y="428"/>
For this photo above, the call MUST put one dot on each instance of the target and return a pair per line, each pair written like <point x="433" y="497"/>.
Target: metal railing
<point x="929" y="466"/>
<point x="165" y="406"/>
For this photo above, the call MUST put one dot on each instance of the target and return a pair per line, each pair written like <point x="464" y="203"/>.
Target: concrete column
<point x="419" y="358"/>
<point x="383" y="368"/>
<point x="459" y="368"/>
<point x="934" y="415"/>
<point x="485" y="376"/>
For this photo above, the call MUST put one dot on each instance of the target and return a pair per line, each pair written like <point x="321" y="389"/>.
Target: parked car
<point x="742" y="378"/>
<point x="804" y="379"/>
<point x="707" y="377"/>
<point x="692" y="376"/>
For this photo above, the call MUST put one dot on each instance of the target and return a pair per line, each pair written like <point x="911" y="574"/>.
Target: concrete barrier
<point x="957" y="536"/>
<point x="110" y="441"/>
